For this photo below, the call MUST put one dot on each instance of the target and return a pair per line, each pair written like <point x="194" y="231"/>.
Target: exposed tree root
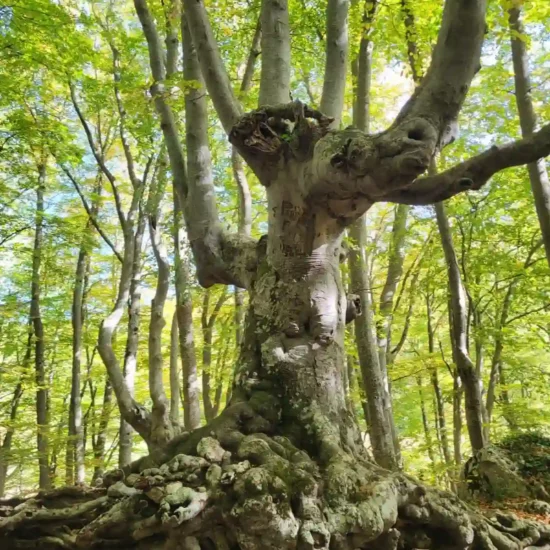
<point x="258" y="492"/>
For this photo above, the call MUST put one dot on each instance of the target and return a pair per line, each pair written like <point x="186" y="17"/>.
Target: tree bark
<point x="99" y="447"/>
<point x="373" y="379"/>
<point x="434" y="377"/>
<point x="275" y="76"/>
<point x="162" y="429"/>
<point x="384" y="326"/>
<point x="75" y="456"/>
<point x="132" y="341"/>
<point x="5" y="448"/>
<point x="208" y="322"/>
<point x="74" y="462"/>
<point x="425" y="424"/>
<point x="284" y="465"/>
<point x="538" y="175"/>
<point x="184" y="312"/>
<point x="458" y="304"/>
<point x="42" y="413"/>
<point x="174" y="375"/>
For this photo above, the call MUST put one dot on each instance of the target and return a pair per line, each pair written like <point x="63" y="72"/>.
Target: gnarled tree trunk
<point x="283" y="467"/>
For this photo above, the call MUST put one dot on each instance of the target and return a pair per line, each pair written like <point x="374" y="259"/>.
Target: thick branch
<point x="336" y="64"/>
<point x="220" y="258"/>
<point x="475" y="172"/>
<point x="205" y="232"/>
<point x="245" y="198"/>
<point x="275" y="78"/>
<point x="213" y="70"/>
<point x="455" y="62"/>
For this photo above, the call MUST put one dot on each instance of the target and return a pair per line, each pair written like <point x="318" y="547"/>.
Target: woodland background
<point x="74" y="99"/>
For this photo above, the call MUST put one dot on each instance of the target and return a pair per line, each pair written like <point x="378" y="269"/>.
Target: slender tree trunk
<point x="380" y="431"/>
<point x="5" y="448"/>
<point x="434" y="377"/>
<point x="132" y="342"/>
<point x="373" y="381"/>
<point x="538" y="175"/>
<point x="174" y="375"/>
<point x="425" y="424"/>
<point x="74" y="462"/>
<point x="184" y="312"/>
<point x="42" y="420"/>
<point x="207" y="324"/>
<point x="458" y="390"/>
<point x="162" y="430"/>
<point x="458" y="304"/>
<point x="101" y="437"/>
<point x="384" y="326"/>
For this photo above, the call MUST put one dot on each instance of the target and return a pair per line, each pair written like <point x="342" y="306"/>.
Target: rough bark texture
<point x="283" y="467"/>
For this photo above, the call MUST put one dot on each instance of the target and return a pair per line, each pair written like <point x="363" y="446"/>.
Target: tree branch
<point x="213" y="69"/>
<point x="91" y="216"/>
<point x="98" y="157"/>
<point x="526" y="313"/>
<point x="473" y="173"/>
<point x="220" y="258"/>
<point x="336" y="64"/>
<point x="455" y="61"/>
<point x="275" y="77"/>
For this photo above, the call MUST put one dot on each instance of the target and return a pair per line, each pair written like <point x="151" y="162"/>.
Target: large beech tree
<point x="284" y="466"/>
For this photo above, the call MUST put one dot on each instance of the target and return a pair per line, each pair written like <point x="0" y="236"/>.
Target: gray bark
<point x="184" y="312"/>
<point x="275" y="75"/>
<point x="174" y="375"/>
<point x="162" y="429"/>
<point x="208" y="321"/>
<point x="42" y="414"/>
<point x="132" y="341"/>
<point x="213" y="70"/>
<point x="99" y="446"/>
<point x="380" y="418"/>
<point x="336" y="63"/>
<point x="134" y="413"/>
<point x="373" y="380"/>
<point x="245" y="196"/>
<point x="434" y="377"/>
<point x="5" y="448"/>
<point x="425" y="423"/>
<point x="74" y="463"/>
<point x="384" y="326"/>
<point x="458" y="304"/>
<point x="538" y="175"/>
<point x="310" y="484"/>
